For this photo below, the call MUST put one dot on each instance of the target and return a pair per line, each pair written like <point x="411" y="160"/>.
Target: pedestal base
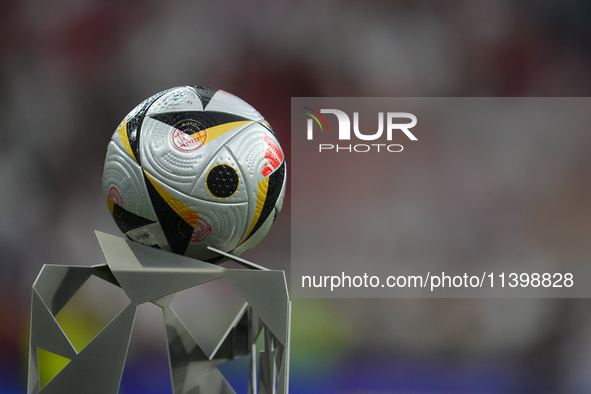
<point x="153" y="275"/>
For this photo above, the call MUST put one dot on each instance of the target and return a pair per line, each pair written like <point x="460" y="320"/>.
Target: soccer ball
<point x="193" y="167"/>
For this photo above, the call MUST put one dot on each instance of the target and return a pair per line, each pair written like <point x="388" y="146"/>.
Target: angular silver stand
<point x="152" y="275"/>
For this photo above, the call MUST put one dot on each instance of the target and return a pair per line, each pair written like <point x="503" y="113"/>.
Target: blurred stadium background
<point x="70" y="70"/>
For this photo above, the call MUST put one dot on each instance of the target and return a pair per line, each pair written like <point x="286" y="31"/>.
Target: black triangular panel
<point x="191" y="122"/>
<point x="176" y="230"/>
<point x="128" y="220"/>
<point x="274" y="190"/>
<point x="134" y="124"/>
<point x="205" y="94"/>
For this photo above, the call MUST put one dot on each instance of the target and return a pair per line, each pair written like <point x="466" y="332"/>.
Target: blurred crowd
<point x="70" y="70"/>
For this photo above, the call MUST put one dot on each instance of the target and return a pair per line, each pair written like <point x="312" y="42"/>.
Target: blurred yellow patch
<point x="50" y="364"/>
<point x="79" y="323"/>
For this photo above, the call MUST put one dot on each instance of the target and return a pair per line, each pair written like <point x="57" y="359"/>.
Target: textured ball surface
<point x="193" y="167"/>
